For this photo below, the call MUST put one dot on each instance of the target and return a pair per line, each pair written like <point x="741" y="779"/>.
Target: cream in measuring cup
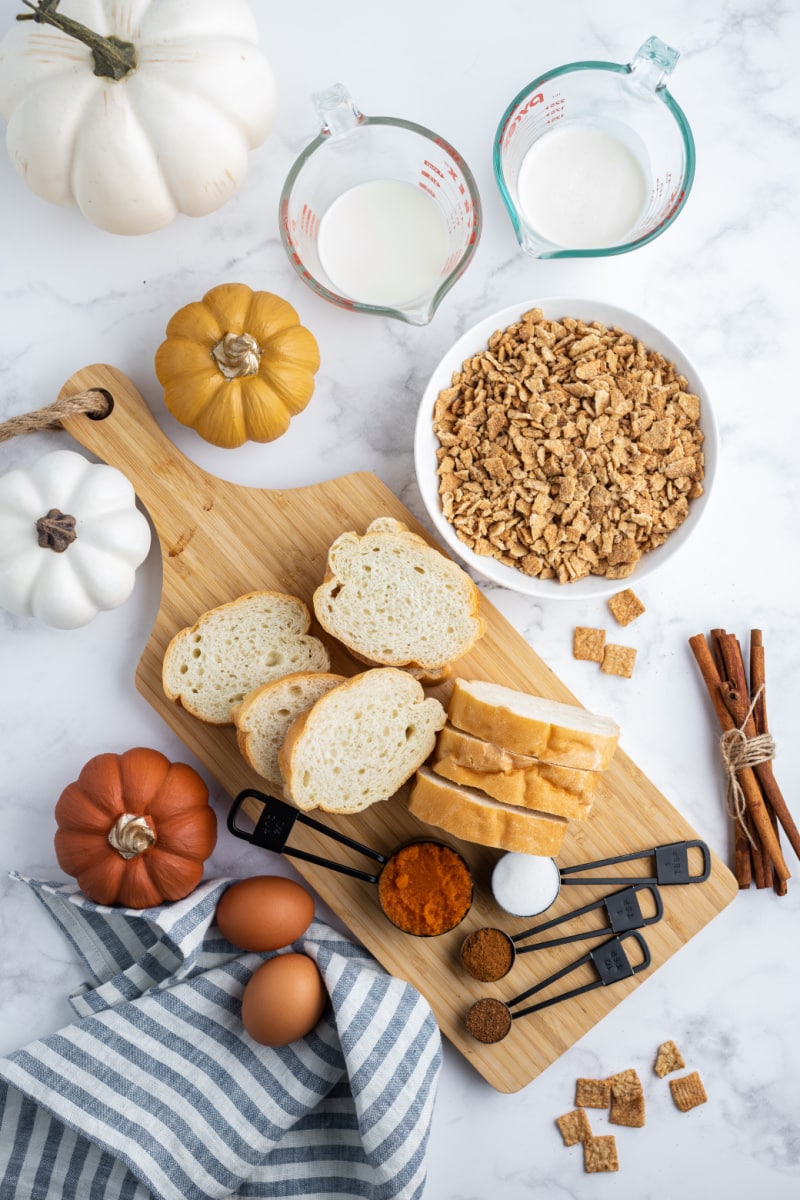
<point x="379" y="215"/>
<point x="595" y="157"/>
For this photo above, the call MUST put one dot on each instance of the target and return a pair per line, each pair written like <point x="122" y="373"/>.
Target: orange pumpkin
<point x="135" y="829"/>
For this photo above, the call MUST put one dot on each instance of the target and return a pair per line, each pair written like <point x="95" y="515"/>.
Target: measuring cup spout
<point x="336" y="111"/>
<point x="651" y="66"/>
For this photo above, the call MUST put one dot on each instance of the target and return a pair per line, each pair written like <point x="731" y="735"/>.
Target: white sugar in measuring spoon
<point x="383" y="243"/>
<point x="581" y="188"/>
<point x="524" y="885"/>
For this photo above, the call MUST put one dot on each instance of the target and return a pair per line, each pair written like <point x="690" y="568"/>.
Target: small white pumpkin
<point x="71" y="538"/>
<point x="171" y="134"/>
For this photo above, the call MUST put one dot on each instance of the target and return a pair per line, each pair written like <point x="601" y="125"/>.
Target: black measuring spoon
<point x="670" y="867"/>
<point x="488" y="954"/>
<point x="276" y="820"/>
<point x="490" y="1020"/>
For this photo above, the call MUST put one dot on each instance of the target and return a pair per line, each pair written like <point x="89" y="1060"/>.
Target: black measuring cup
<point x="489" y="1020"/>
<point x="623" y="912"/>
<point x="276" y="820"/>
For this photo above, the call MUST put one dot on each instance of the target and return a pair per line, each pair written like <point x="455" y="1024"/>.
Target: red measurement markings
<point x="427" y="175"/>
<point x="514" y="120"/>
<point x="432" y="167"/>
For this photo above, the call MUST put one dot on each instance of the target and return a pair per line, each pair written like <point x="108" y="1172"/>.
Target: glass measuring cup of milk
<point x="595" y="158"/>
<point x="377" y="214"/>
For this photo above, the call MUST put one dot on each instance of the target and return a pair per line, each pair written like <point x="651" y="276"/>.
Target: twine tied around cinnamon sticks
<point x="747" y="747"/>
<point x="739" y="751"/>
<point x="94" y="403"/>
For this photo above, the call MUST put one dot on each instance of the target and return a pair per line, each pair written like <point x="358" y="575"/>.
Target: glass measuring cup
<point x="631" y="106"/>
<point x="353" y="152"/>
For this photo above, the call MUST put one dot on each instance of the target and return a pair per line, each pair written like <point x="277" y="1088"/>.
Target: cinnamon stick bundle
<point x="747" y="749"/>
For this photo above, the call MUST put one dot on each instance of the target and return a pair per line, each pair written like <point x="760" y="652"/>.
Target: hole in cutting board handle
<point x="109" y="399"/>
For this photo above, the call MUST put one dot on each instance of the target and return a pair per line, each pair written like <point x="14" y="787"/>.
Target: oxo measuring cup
<point x="595" y="158"/>
<point x="379" y="215"/>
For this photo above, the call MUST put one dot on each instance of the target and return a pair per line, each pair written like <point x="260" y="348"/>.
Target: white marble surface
<point x="722" y="282"/>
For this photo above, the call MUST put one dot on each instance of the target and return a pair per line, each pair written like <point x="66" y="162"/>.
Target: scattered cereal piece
<point x="629" y="1112"/>
<point x="600" y="1154"/>
<point x="688" y="1091"/>
<point x="588" y="644"/>
<point x="592" y="1093"/>
<point x="626" y="1085"/>
<point x="626" y="607"/>
<point x="668" y="1059"/>
<point x="618" y="660"/>
<point x="574" y="1127"/>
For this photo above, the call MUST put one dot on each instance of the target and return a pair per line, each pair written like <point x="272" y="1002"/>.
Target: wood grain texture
<point x="220" y="540"/>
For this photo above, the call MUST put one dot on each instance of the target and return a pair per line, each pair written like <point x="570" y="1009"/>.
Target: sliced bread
<point x="393" y="600"/>
<point x="264" y="716"/>
<point x="514" y="778"/>
<point x="564" y="734"/>
<point x="231" y="650"/>
<point x="473" y="816"/>
<point x="359" y="743"/>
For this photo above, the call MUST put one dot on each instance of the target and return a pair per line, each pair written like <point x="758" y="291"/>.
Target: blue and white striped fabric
<point x="156" y="1091"/>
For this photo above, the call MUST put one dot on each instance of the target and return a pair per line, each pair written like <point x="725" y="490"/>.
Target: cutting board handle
<point x="130" y="439"/>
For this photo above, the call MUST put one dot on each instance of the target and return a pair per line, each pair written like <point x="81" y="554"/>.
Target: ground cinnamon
<point x="489" y="1020"/>
<point x="487" y="954"/>
<point x="425" y="888"/>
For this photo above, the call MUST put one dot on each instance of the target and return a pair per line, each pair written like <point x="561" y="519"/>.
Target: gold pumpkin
<point x="237" y="365"/>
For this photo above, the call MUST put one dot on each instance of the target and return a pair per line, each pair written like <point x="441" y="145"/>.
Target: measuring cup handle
<point x="651" y="66"/>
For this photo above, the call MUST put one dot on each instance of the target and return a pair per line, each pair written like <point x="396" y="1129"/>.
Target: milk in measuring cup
<point x="383" y="243"/>
<point x="581" y="187"/>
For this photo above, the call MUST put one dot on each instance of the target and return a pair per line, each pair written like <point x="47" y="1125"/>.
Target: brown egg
<point x="265" y="912"/>
<point x="283" y="1000"/>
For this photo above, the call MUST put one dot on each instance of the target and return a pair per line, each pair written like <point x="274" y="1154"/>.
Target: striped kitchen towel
<point x="156" y="1091"/>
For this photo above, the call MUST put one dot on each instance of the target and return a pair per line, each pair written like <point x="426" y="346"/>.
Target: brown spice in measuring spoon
<point x="489" y="1020"/>
<point x="487" y="954"/>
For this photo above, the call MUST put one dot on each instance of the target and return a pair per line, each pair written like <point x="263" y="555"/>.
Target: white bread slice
<point x="393" y="600"/>
<point x="263" y="718"/>
<point x="359" y="743"/>
<point x="564" y="734"/>
<point x="233" y="649"/>
<point x="514" y="778"/>
<point x="473" y="816"/>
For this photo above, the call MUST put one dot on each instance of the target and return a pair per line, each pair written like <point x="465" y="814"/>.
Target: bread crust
<point x="519" y="733"/>
<point x="474" y="817"/>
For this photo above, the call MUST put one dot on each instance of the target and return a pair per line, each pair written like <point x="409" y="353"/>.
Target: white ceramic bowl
<point x="426" y="444"/>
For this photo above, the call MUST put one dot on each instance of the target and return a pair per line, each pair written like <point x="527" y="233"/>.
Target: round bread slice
<point x="514" y="778"/>
<point x="231" y="650"/>
<point x="393" y="600"/>
<point x="359" y="743"/>
<point x="473" y="816"/>
<point x="564" y="734"/>
<point x="264" y="716"/>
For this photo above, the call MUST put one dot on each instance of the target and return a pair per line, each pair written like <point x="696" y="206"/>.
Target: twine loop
<point x="94" y="403"/>
<point x="739" y="752"/>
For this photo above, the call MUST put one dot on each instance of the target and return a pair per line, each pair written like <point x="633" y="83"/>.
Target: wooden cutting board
<point x="218" y="541"/>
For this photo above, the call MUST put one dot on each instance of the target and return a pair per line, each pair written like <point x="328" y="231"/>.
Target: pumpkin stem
<point x="113" y="58"/>
<point x="237" y="354"/>
<point x="131" y="835"/>
<point x="56" y="530"/>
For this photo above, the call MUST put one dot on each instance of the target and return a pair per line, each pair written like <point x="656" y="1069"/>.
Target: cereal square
<point x="626" y="607"/>
<point x="588" y="644"/>
<point x="600" y="1154"/>
<point x="618" y="660"/>
<point x="592" y="1093"/>
<point x="629" y="1112"/>
<point x="688" y="1091"/>
<point x="668" y="1059"/>
<point x="574" y="1127"/>
<point x="626" y="1085"/>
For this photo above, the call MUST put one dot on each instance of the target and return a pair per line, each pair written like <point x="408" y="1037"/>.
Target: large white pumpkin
<point x="171" y="135"/>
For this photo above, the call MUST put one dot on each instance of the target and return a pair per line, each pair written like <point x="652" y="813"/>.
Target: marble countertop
<point x="721" y="282"/>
